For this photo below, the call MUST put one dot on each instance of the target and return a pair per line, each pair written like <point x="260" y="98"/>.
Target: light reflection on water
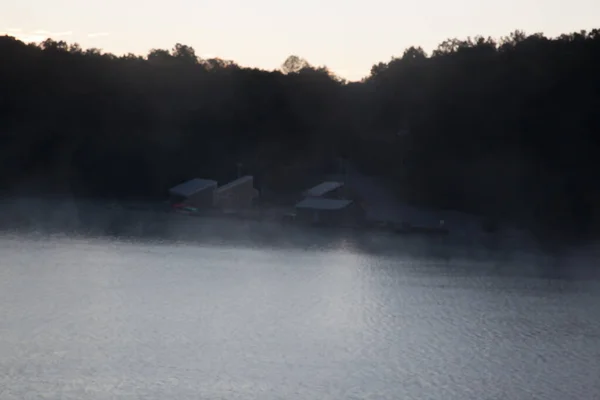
<point x="99" y="319"/>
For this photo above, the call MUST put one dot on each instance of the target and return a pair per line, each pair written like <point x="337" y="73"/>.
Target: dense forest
<point x="507" y="128"/>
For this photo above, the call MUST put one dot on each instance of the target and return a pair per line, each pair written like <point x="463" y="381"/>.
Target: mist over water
<point x="187" y="308"/>
<point x="507" y="250"/>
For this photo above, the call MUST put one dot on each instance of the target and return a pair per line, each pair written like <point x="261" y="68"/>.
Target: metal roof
<point x="236" y="182"/>
<point x="317" y="203"/>
<point x="190" y="187"/>
<point x="323" y="188"/>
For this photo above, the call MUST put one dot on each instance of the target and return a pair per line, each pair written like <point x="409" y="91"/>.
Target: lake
<point x="324" y="317"/>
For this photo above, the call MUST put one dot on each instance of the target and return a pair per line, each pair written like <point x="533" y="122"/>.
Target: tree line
<point x="506" y="128"/>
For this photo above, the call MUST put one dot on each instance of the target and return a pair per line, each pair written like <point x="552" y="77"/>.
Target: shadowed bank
<point x="504" y="128"/>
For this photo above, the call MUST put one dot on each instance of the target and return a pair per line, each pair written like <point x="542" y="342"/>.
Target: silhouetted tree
<point x="294" y="64"/>
<point x="184" y="53"/>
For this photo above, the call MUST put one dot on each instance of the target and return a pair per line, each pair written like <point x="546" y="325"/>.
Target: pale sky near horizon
<point x="347" y="36"/>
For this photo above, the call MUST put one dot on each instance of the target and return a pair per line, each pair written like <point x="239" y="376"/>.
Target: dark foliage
<point x="508" y="129"/>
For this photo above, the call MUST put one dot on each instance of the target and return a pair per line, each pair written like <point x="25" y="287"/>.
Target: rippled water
<point x="100" y="319"/>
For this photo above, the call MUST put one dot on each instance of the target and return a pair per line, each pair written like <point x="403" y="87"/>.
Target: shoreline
<point x="154" y="219"/>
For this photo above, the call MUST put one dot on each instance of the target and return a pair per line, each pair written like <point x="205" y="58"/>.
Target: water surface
<point x="104" y="319"/>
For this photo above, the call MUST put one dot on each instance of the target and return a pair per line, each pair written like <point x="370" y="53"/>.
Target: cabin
<point x="329" y="190"/>
<point x="196" y="193"/>
<point x="323" y="211"/>
<point x="239" y="194"/>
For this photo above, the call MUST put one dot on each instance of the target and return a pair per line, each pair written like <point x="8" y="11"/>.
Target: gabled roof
<point x="316" y="203"/>
<point x="192" y="186"/>
<point x="235" y="182"/>
<point x="323" y="188"/>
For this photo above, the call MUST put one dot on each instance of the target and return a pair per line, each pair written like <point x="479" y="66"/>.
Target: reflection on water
<point x="324" y="319"/>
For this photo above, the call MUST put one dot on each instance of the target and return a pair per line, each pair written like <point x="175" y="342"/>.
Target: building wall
<point x="240" y="196"/>
<point x="201" y="199"/>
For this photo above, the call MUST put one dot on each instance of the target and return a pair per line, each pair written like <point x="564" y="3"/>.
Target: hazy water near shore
<point x="507" y="251"/>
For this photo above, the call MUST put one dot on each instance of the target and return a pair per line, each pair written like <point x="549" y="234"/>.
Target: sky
<point x="348" y="36"/>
